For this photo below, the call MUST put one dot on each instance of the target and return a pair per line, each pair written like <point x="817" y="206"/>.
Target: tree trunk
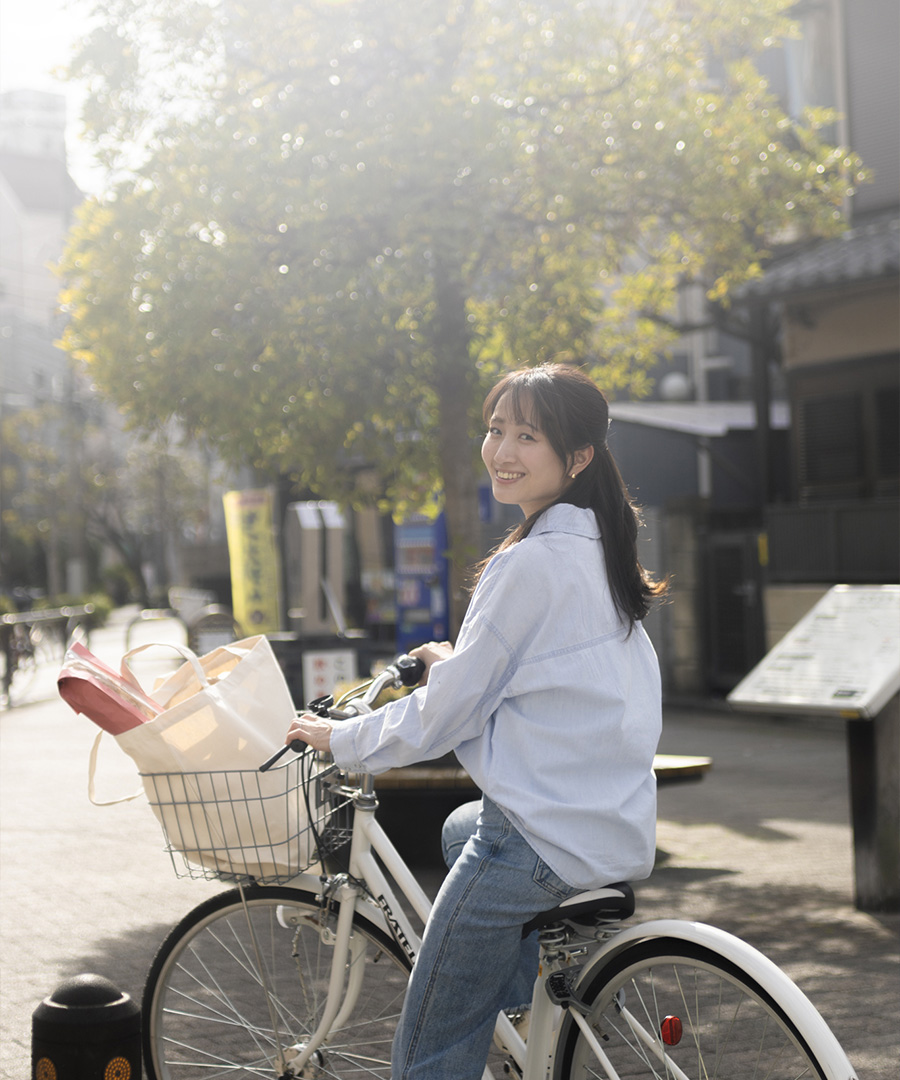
<point x="454" y="379"/>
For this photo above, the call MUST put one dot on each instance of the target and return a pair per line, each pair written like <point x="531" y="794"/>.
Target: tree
<point x="69" y="481"/>
<point x="330" y="228"/>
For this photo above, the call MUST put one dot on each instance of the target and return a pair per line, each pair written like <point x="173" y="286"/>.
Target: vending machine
<point x="421" y="571"/>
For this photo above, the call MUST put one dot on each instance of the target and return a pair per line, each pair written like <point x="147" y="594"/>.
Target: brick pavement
<point x="761" y="847"/>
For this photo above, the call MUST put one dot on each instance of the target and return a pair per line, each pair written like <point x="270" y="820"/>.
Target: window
<point x="831" y="460"/>
<point x="810" y="60"/>
<point x="887" y="441"/>
<point x="847" y="431"/>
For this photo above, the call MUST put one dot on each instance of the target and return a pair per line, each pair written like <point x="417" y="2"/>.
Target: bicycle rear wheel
<point x="205" y="1012"/>
<point x="669" y="1008"/>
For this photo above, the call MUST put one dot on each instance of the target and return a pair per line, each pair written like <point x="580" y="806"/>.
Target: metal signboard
<point x="841" y="659"/>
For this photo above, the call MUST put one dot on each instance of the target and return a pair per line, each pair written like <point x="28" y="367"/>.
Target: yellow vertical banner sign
<point x="255" y="576"/>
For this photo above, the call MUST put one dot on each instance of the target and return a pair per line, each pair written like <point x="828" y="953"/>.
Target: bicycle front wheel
<point x="667" y="1008"/>
<point x="219" y="980"/>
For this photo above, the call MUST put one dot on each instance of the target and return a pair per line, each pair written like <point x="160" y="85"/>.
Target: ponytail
<point x="604" y="491"/>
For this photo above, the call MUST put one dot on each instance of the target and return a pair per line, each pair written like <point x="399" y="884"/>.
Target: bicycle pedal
<point x="560" y="987"/>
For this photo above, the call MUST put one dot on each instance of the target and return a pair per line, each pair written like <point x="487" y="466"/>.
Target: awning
<point x="702" y="418"/>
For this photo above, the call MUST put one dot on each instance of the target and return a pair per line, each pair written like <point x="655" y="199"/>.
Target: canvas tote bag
<point x="220" y="716"/>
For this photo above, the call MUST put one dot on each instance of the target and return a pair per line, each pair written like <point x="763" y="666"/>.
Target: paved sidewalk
<point x="82" y="888"/>
<point x="761" y="846"/>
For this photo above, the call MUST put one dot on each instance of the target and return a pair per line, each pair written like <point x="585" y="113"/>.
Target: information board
<point x="841" y="659"/>
<point x="323" y="669"/>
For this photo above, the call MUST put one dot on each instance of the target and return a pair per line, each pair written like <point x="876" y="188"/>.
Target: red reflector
<point x="671" y="1031"/>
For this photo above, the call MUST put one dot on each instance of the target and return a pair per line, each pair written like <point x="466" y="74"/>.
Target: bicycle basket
<point x="243" y="824"/>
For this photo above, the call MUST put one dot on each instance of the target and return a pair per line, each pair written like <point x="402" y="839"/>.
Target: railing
<point x="31" y="638"/>
<point x="20" y="633"/>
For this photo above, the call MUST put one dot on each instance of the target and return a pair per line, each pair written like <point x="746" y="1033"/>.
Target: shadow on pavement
<point x="124" y="958"/>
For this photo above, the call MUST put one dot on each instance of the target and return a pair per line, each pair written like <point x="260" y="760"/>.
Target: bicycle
<point x="300" y="972"/>
<point x="20" y="646"/>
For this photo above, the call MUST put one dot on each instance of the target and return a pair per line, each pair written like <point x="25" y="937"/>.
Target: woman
<point x="551" y="701"/>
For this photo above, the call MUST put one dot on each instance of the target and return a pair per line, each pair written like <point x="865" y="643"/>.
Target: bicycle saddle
<point x="587" y="909"/>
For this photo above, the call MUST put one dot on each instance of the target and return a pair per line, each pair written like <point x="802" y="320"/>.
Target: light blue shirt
<point x="552" y="707"/>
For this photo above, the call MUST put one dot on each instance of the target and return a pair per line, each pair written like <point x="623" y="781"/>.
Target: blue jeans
<point x="473" y="962"/>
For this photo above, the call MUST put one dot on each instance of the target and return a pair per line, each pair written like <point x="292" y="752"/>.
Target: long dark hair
<point x="572" y="412"/>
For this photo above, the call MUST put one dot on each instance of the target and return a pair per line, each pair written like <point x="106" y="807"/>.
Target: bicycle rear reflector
<point x="671" y="1031"/>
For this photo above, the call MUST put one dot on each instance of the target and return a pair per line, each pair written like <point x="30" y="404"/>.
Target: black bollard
<point x="87" y="1029"/>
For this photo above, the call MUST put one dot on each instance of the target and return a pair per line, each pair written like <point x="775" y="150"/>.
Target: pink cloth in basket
<point x="90" y="687"/>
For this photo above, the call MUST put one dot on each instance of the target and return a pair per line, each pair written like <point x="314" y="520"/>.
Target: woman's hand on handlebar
<point x="431" y="653"/>
<point x="311" y="729"/>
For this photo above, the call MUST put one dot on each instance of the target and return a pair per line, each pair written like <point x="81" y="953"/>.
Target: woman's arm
<point x="465" y="683"/>
<point x="317" y="731"/>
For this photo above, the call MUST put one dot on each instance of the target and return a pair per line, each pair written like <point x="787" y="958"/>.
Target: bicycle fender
<point x="750" y="960"/>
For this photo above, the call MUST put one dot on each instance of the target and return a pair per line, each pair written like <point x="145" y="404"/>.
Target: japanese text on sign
<point x="254" y="560"/>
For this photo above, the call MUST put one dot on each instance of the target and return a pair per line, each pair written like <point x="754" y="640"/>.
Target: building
<point x="836" y="306"/>
<point x="768" y="465"/>
<point x="37" y="198"/>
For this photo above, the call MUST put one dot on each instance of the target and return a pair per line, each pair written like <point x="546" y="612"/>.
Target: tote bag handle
<point x="182" y="650"/>
<point x="129" y="676"/>
<point x="92" y="769"/>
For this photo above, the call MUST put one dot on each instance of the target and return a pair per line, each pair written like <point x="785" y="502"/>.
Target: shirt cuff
<point x="343" y="746"/>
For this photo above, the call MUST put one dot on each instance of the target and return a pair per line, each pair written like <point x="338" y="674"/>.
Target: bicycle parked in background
<point x="301" y="972"/>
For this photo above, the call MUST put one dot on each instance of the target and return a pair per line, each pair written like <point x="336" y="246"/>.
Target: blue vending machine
<point x="421" y="572"/>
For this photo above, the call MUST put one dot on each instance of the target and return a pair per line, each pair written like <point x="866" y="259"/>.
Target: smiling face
<point x="524" y="468"/>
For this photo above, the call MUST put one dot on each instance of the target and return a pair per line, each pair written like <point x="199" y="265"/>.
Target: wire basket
<point x="247" y="825"/>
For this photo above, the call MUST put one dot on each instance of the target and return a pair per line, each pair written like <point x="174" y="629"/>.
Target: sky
<point x="35" y="37"/>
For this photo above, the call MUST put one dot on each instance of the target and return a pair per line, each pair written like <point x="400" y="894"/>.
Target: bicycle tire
<point x="204" y="1012"/>
<point x="730" y="1025"/>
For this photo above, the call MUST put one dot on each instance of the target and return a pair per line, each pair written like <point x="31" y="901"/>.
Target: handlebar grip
<point x="410" y="669"/>
<point x="297" y="745"/>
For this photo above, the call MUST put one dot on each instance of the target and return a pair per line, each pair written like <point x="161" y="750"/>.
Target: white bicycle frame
<point x="533" y="1059"/>
<point x="369" y="839"/>
<point x="381" y="907"/>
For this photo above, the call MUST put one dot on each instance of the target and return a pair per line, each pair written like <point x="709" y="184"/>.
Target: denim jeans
<point x="473" y="962"/>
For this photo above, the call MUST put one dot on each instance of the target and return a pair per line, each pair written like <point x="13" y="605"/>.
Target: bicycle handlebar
<point x="297" y="745"/>
<point x="404" y="671"/>
<point x="410" y="669"/>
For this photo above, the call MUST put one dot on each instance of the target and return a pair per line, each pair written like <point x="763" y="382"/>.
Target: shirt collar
<point x="566" y="518"/>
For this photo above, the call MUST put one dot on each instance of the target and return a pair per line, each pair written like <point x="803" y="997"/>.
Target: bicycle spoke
<point x="206" y="1059"/>
<point x="228" y="1013"/>
<point x="210" y="1011"/>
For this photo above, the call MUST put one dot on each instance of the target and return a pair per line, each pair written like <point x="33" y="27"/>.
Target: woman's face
<point x="523" y="466"/>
